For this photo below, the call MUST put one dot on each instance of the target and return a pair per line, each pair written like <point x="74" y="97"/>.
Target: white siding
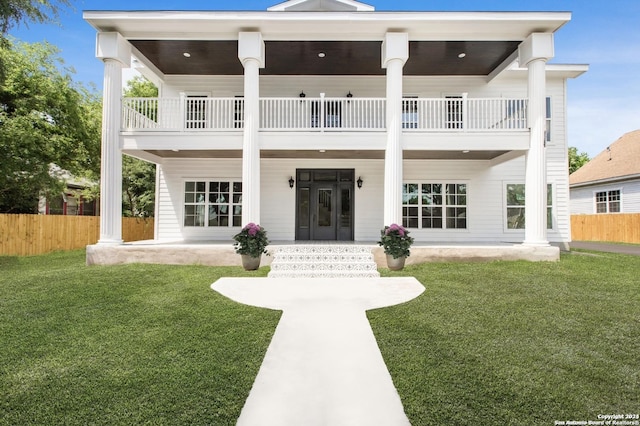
<point x="486" y="183"/>
<point x="486" y="186"/>
<point x="583" y="198"/>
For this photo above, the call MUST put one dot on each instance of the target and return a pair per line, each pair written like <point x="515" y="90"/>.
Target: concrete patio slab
<point x="323" y="366"/>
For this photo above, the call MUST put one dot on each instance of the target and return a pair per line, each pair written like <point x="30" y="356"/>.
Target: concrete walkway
<point x="323" y="366"/>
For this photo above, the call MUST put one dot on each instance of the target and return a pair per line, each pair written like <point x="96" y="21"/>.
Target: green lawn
<point x="486" y="344"/>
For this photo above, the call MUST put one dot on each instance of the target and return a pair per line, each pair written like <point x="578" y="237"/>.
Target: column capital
<point x="395" y="46"/>
<point x="112" y="45"/>
<point x="536" y="46"/>
<point x="251" y="46"/>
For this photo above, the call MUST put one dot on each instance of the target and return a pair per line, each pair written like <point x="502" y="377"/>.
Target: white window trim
<point x="505" y="206"/>
<point x="207" y="180"/>
<point x="444" y="228"/>
<point x="595" y="203"/>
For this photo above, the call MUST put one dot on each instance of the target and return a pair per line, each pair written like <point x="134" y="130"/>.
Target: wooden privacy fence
<point x="615" y="227"/>
<point x="26" y="235"/>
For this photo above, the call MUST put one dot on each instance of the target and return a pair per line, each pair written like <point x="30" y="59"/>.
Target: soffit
<point x="341" y="58"/>
<point x="331" y="154"/>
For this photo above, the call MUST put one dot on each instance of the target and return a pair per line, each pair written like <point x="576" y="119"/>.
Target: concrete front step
<point x="323" y="261"/>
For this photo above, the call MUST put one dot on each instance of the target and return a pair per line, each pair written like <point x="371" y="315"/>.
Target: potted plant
<point x="251" y="243"/>
<point x="397" y="243"/>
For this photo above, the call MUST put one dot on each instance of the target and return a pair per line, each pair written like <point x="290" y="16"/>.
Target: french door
<point x="324" y="204"/>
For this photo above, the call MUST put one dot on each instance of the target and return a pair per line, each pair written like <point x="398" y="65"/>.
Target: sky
<point x="602" y="105"/>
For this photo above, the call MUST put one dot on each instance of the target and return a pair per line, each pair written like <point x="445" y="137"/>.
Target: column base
<point x="536" y="243"/>
<point x="110" y="241"/>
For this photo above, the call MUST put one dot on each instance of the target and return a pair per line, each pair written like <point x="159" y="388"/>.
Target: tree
<point x="14" y="12"/>
<point x="576" y="160"/>
<point x="138" y="177"/>
<point x="45" y="119"/>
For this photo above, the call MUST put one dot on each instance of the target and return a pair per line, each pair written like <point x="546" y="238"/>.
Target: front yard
<point x="487" y="343"/>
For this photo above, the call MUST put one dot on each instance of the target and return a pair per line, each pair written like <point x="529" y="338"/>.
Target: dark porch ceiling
<point x="340" y="57"/>
<point x="332" y="154"/>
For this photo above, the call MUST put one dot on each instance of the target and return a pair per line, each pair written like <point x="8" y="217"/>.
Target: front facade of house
<point x="326" y="120"/>
<point x="610" y="182"/>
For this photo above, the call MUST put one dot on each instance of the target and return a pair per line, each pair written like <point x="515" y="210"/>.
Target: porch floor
<point x="221" y="253"/>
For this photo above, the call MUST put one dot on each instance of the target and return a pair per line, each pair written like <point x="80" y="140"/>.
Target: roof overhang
<point x="325" y="26"/>
<point x="436" y="39"/>
<point x="605" y="181"/>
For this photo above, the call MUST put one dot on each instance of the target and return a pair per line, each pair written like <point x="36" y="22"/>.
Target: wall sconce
<point x="359" y="182"/>
<point x="302" y="95"/>
<point x="349" y="95"/>
<point x="291" y="182"/>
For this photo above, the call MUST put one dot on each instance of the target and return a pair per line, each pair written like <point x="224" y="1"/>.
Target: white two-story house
<point x="327" y="120"/>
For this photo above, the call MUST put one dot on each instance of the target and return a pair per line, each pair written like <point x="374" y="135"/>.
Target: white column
<point x="395" y="52"/>
<point x="116" y="54"/>
<point x="251" y="54"/>
<point x="534" y="53"/>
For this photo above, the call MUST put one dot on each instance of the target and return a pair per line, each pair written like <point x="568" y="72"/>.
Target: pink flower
<point x="395" y="228"/>
<point x="252" y="229"/>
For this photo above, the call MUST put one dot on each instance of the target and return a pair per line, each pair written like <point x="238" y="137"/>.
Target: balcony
<point x="323" y="114"/>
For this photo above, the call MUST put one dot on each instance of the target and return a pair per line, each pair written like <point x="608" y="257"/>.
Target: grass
<point x="133" y="344"/>
<point x="512" y="343"/>
<point x="487" y="343"/>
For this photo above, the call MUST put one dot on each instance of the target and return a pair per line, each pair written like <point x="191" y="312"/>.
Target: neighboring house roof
<point x="620" y="161"/>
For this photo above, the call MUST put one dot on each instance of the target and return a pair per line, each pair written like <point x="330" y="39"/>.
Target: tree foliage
<point x="576" y="160"/>
<point x="138" y="176"/>
<point x="45" y="119"/>
<point x="14" y="12"/>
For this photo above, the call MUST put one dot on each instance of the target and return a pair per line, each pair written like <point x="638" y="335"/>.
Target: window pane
<point x="303" y="208"/>
<point x="515" y="218"/>
<point x="410" y="193"/>
<point x="410" y="217"/>
<point x="200" y="186"/>
<point x="325" y="209"/>
<point x="515" y="194"/>
<point x="456" y="217"/>
<point x="432" y="217"/>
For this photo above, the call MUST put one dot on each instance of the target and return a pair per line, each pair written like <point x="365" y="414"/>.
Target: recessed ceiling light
<point x="466" y="151"/>
<point x="461" y="55"/>
<point x="186" y="54"/>
<point x="321" y="55"/>
<point x="323" y="150"/>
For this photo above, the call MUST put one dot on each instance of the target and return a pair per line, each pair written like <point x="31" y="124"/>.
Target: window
<point x="238" y="113"/>
<point x="434" y="205"/>
<point x="547" y="132"/>
<point x="212" y="203"/>
<point x="608" y="201"/>
<point x="196" y="112"/>
<point x="410" y="112"/>
<point x="515" y="206"/>
<point x="454" y="105"/>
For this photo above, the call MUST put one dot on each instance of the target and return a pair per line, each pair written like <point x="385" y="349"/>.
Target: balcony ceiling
<point x="331" y="154"/>
<point x="340" y="57"/>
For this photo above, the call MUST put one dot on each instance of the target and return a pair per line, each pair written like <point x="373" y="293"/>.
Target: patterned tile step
<point x="323" y="260"/>
<point x="324" y="274"/>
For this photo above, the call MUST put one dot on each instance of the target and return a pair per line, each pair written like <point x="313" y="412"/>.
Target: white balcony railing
<point x="322" y="114"/>
<point x="325" y="114"/>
